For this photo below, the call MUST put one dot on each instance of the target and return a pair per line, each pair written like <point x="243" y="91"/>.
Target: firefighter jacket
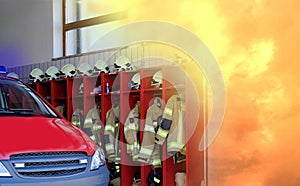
<point x="150" y="151"/>
<point x="77" y="118"/>
<point x="61" y="108"/>
<point x="93" y="125"/>
<point x="131" y="131"/>
<point x="173" y="126"/>
<point x="111" y="134"/>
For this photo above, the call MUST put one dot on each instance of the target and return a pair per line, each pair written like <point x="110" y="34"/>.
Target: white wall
<point x="25" y="32"/>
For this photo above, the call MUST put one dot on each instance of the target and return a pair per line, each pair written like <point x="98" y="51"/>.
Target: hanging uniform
<point x="150" y="151"/>
<point x="111" y="134"/>
<point x="61" y="109"/>
<point x="131" y="131"/>
<point x="173" y="126"/>
<point x="77" y="118"/>
<point x="93" y="125"/>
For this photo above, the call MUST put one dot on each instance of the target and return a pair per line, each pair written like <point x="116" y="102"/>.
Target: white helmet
<point x="13" y="75"/>
<point x="36" y="75"/>
<point x="122" y="63"/>
<point x="68" y="71"/>
<point x="157" y="80"/>
<point x="135" y="81"/>
<point x="100" y="67"/>
<point x="52" y="73"/>
<point x="84" y="69"/>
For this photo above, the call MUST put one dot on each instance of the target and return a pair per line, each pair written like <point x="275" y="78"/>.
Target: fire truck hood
<point x="41" y="134"/>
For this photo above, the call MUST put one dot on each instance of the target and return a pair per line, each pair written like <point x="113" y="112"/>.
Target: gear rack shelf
<point x="107" y="89"/>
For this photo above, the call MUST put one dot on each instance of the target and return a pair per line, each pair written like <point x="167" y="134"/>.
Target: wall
<point x="26" y="32"/>
<point x="26" y="40"/>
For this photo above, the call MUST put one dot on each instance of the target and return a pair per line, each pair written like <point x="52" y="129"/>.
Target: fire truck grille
<point x="49" y="164"/>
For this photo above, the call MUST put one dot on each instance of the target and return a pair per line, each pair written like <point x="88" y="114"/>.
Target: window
<point x="77" y="10"/>
<point x="83" y="22"/>
<point x="17" y="99"/>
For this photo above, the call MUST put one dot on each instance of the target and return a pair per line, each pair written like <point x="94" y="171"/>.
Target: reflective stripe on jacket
<point x="131" y="131"/>
<point x="111" y="134"/>
<point x="172" y="126"/>
<point x="93" y="125"/>
<point x="150" y="152"/>
<point x="77" y="118"/>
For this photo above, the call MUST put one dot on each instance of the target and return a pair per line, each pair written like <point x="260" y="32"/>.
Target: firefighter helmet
<point x="36" y="75"/>
<point x="52" y="73"/>
<point x="157" y="79"/>
<point x="85" y="69"/>
<point x="101" y="67"/>
<point x="135" y="81"/>
<point x="13" y="75"/>
<point x="122" y="63"/>
<point x="68" y="70"/>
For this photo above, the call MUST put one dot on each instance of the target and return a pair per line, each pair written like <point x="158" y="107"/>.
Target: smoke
<point x="256" y="43"/>
<point x="261" y="126"/>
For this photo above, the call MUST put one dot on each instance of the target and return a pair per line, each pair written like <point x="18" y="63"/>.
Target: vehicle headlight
<point x="98" y="159"/>
<point x="3" y="171"/>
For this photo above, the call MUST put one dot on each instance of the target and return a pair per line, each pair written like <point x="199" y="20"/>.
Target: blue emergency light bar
<point x="3" y="69"/>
